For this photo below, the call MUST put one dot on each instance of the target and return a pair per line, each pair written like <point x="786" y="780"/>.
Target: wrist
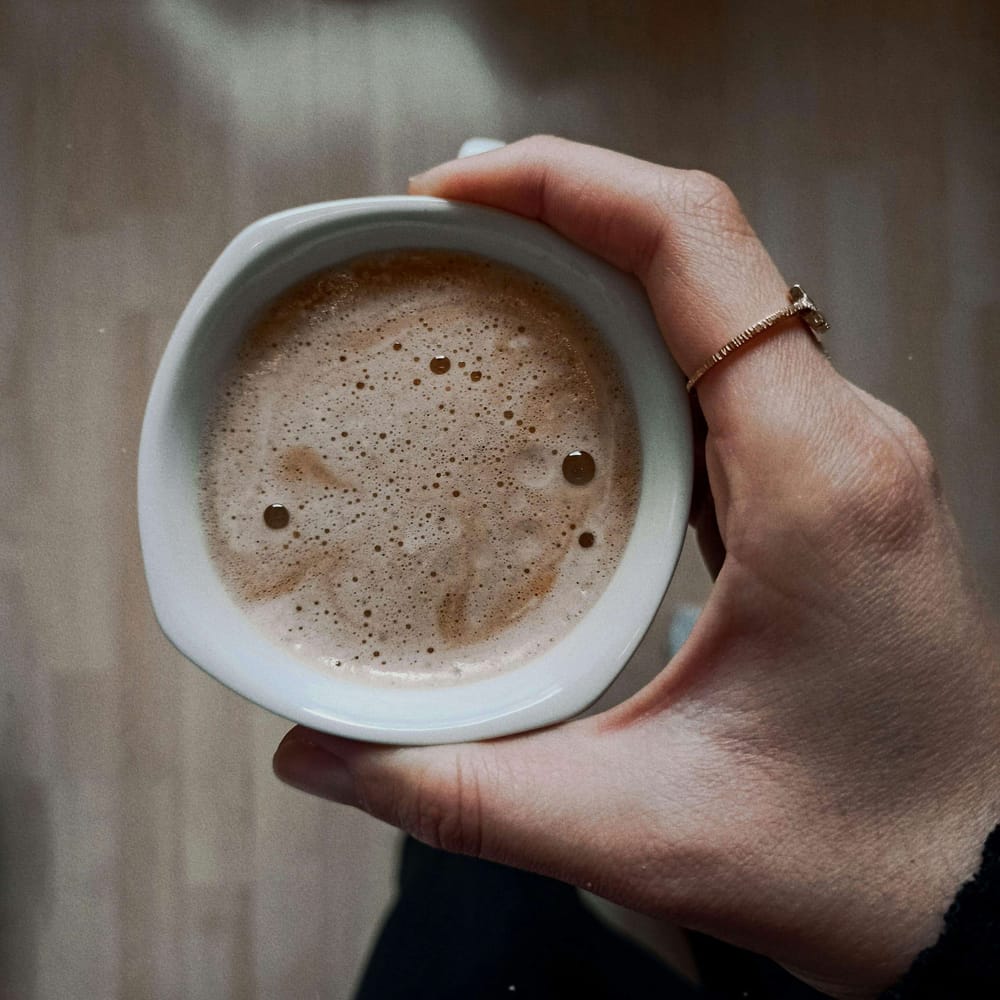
<point x="908" y="870"/>
<point x="963" y="961"/>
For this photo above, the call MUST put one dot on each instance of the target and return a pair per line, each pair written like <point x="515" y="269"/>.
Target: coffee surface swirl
<point x="413" y="414"/>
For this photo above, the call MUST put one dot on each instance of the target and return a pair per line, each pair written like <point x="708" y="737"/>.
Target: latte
<point x="422" y="467"/>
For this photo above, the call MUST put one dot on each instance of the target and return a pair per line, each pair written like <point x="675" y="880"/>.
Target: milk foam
<point x="432" y="536"/>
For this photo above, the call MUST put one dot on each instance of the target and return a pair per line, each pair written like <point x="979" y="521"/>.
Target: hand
<point x="813" y="775"/>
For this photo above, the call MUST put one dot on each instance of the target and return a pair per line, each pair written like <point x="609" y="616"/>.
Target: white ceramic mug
<point x="191" y="602"/>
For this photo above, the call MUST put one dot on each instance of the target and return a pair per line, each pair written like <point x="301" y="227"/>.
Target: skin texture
<point x="813" y="776"/>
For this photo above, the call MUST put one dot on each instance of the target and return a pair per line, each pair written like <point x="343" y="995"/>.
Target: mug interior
<point x="191" y="602"/>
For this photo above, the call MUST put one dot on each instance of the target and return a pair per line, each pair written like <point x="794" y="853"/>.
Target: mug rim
<point x="191" y="602"/>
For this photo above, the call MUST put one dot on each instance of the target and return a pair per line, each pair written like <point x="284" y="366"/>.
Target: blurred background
<point x="145" y="849"/>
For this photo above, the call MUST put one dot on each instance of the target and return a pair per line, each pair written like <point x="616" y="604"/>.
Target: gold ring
<point x="799" y="305"/>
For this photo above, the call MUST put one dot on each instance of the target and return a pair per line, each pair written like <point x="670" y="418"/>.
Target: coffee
<point x="422" y="467"/>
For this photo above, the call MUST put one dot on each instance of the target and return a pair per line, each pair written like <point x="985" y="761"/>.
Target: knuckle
<point x="704" y="221"/>
<point x="919" y="453"/>
<point x="443" y="808"/>
<point x="870" y="488"/>
<point x="890" y="491"/>
<point x="708" y="197"/>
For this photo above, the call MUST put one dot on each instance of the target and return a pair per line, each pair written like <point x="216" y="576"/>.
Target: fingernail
<point x="314" y="770"/>
<point x="416" y="180"/>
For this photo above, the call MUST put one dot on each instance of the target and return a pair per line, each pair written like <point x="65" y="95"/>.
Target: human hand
<point x="813" y="775"/>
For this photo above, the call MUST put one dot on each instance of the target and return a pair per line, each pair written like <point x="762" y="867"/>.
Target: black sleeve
<point x="965" y="962"/>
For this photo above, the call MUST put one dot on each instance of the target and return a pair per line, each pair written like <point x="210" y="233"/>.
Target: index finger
<point x="681" y="232"/>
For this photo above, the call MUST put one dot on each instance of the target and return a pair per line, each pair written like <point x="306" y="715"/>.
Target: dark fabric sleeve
<point x="965" y="962"/>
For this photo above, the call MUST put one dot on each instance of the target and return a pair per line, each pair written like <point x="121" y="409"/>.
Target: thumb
<point x="508" y="800"/>
<point x="551" y="801"/>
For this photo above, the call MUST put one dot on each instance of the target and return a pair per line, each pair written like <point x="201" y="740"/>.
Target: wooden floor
<point x="145" y="849"/>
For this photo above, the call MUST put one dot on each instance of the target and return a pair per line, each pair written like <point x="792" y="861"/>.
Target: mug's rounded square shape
<point x="191" y="602"/>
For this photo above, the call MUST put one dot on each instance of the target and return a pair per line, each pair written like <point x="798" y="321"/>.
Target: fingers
<point x="682" y="233"/>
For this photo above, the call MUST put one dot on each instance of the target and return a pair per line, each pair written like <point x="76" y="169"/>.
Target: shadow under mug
<point x="190" y="600"/>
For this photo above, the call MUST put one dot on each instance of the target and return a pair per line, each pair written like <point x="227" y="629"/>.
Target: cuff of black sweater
<point x="965" y="960"/>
